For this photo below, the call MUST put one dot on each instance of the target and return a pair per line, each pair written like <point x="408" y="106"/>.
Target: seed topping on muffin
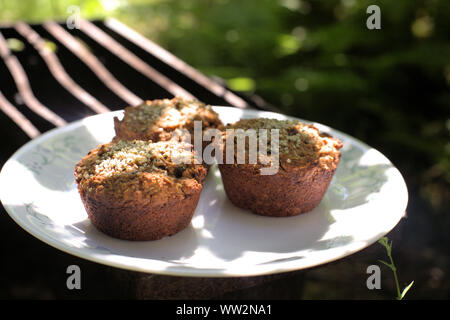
<point x="156" y="118"/>
<point x="298" y="143"/>
<point x="130" y="165"/>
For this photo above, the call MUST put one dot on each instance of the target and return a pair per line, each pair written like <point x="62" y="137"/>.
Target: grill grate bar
<point x="92" y="62"/>
<point x="115" y="65"/>
<point x="57" y="70"/>
<point x="131" y="59"/>
<point x="174" y="62"/>
<point x="16" y="116"/>
<point x="23" y="85"/>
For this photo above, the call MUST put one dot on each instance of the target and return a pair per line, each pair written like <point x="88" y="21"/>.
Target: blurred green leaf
<point x="287" y="44"/>
<point x="405" y="291"/>
<point x="15" y="44"/>
<point x="241" y="84"/>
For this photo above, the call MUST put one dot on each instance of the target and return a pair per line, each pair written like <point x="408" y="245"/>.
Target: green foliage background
<point x="316" y="59"/>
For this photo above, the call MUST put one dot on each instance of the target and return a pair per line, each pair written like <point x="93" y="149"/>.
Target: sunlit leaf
<point x="288" y="44"/>
<point x="50" y="45"/>
<point x="15" y="44"/>
<point x="405" y="291"/>
<point x="241" y="84"/>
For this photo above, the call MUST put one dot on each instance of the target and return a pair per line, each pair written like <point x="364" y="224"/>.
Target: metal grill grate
<point x="60" y="75"/>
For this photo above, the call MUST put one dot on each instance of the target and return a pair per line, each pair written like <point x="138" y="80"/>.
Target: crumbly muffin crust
<point x="139" y="190"/>
<point x="156" y="120"/>
<point x="299" y="144"/>
<point x="127" y="166"/>
<point x="307" y="162"/>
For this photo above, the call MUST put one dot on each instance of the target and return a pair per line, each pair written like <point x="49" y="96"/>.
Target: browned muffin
<point x="156" y="120"/>
<point x="307" y="162"/>
<point x="139" y="190"/>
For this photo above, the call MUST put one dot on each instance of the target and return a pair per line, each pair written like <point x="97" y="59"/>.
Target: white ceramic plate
<point x="366" y="199"/>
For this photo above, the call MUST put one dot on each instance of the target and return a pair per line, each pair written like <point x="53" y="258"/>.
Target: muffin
<point x="305" y="164"/>
<point x="157" y="120"/>
<point x="140" y="190"/>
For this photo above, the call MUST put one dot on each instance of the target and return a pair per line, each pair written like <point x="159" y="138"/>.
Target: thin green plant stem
<point x="394" y="271"/>
<point x="384" y="241"/>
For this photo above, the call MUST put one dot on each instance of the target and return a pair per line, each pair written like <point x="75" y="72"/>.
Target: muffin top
<point x="157" y="119"/>
<point x="125" y="168"/>
<point x="300" y="144"/>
